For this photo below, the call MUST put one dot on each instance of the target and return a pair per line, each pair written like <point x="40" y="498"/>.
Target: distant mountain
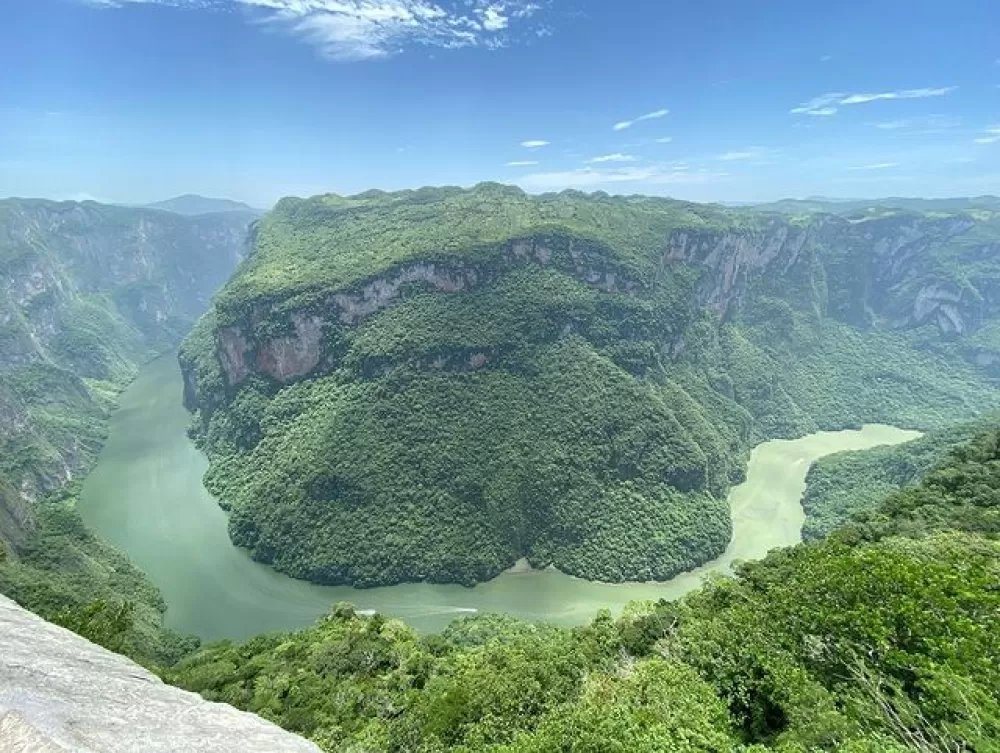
<point x="192" y="204"/>
<point x="819" y="204"/>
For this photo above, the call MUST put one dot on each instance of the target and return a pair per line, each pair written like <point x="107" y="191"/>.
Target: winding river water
<point x="146" y="497"/>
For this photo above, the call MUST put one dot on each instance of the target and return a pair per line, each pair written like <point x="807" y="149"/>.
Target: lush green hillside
<point x="881" y="638"/>
<point x="89" y="292"/>
<point x="839" y="487"/>
<point x="430" y="384"/>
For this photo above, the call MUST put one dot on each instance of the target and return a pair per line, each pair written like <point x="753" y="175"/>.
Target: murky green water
<point x="146" y="497"/>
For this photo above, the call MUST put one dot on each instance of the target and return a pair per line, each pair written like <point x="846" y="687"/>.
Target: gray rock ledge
<point x="60" y="693"/>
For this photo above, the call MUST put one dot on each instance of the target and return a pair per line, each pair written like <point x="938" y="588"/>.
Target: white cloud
<point x="534" y="144"/>
<point x="990" y="136"/>
<point x="858" y="99"/>
<point x="655" y="115"/>
<point x="493" y="18"/>
<point x="829" y="103"/>
<point x="876" y="166"/>
<point x="591" y="178"/>
<point x="522" y="163"/>
<point x="348" y="30"/>
<point x="921" y="124"/>
<point x="752" y="152"/>
<point x="616" y="157"/>
<point x="664" y="139"/>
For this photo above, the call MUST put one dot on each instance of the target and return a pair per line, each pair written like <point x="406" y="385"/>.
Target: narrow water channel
<point x="146" y="497"/>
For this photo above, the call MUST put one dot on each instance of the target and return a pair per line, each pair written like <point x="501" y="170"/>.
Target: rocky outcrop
<point x="291" y="356"/>
<point x="59" y="693"/>
<point x="735" y="259"/>
<point x="881" y="272"/>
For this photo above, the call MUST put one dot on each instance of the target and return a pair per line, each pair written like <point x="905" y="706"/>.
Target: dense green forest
<point x="880" y="637"/>
<point x="582" y="391"/>
<point x="840" y="486"/>
<point x="428" y="385"/>
<point x="90" y="292"/>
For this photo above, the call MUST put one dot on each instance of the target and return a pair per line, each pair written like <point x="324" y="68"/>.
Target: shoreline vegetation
<point x="146" y="497"/>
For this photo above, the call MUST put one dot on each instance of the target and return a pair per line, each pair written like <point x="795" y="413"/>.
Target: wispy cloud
<point x="350" y="30"/>
<point x="616" y="157"/>
<point x="534" y="144"/>
<point x="923" y="124"/>
<point x="664" y="139"/>
<point x="655" y="115"/>
<point x="752" y="152"/>
<point x="522" y="163"/>
<point x="592" y="177"/>
<point x="990" y="136"/>
<point x="829" y="103"/>
<point x="876" y="166"/>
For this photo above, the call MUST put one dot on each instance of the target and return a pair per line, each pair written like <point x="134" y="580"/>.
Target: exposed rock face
<point x="290" y="357"/>
<point x="896" y="270"/>
<point x="736" y="258"/>
<point x="87" y="292"/>
<point x="60" y="693"/>
<point x="866" y="273"/>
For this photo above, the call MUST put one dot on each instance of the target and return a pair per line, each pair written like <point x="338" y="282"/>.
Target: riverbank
<point x="146" y="497"/>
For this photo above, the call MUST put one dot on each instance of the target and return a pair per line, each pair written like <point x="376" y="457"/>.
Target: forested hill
<point x="430" y="384"/>
<point x="88" y="292"/>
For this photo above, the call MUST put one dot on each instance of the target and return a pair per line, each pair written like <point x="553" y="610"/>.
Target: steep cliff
<point x="430" y="384"/>
<point x="87" y="293"/>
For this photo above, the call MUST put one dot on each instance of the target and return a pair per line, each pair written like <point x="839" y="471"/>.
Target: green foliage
<point x="562" y="393"/>
<point x="651" y="707"/>
<point x="961" y="494"/>
<point x="64" y="574"/>
<point x="90" y="292"/>
<point x="306" y="247"/>
<point x="849" y="644"/>
<point x="846" y="484"/>
<point x="445" y="477"/>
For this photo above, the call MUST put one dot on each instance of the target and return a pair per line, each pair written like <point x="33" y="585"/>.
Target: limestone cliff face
<point x="734" y="260"/>
<point x="242" y="350"/>
<point x="881" y="272"/>
<point x="896" y="270"/>
<point x="88" y="292"/>
<point x="59" y="693"/>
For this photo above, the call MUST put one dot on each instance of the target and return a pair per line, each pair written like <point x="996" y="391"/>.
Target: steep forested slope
<point x="430" y="384"/>
<point x="87" y="293"/>
<point x="842" y="486"/>
<point x="881" y="638"/>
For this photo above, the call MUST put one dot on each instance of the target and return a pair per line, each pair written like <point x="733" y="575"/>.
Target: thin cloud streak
<point x="830" y="103"/>
<point x="655" y="115"/>
<point x="991" y="136"/>
<point x="616" y="157"/>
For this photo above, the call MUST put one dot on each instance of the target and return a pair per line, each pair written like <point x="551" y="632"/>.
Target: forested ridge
<point x="431" y="384"/>
<point x="881" y="637"/>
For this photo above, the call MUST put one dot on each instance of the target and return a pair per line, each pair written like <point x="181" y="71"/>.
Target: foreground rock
<point x="60" y="693"/>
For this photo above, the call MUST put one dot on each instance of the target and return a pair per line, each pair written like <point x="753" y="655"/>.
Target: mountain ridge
<point x="355" y="315"/>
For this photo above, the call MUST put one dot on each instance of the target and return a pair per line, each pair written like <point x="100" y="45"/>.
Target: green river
<point x="146" y="497"/>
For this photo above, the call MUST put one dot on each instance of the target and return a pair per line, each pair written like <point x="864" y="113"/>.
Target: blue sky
<point x="710" y="100"/>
